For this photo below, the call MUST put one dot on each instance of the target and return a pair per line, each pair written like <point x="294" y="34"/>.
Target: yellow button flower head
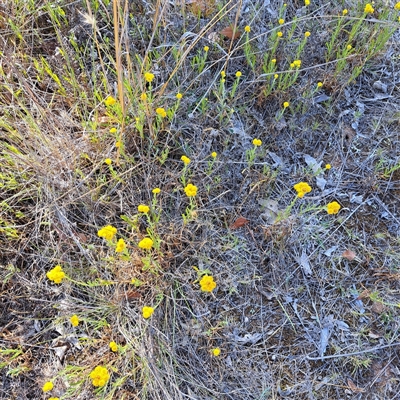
<point x="54" y="398"/>
<point x="118" y="144"/>
<point x="113" y="130"/>
<point x="302" y="188"/>
<point x="307" y="34"/>
<point x="47" y="387"/>
<point x="99" y="376"/>
<point x="273" y="61"/>
<point x="207" y="283"/>
<point x="276" y="76"/>
<point x="113" y="347"/>
<point x="247" y="28"/>
<point x="213" y="154"/>
<point x="368" y="9"/>
<point x="328" y="166"/>
<point x="186" y="160"/>
<point x="307" y="2"/>
<point x="56" y="274"/>
<point x="257" y="142"/>
<point x="161" y="112"/>
<point x="110" y="101"/>
<point x="281" y="21"/>
<point x="143" y="97"/>
<point x="148" y="76"/>
<point x="179" y="96"/>
<point x="107" y="232"/>
<point x="345" y="11"/>
<point x="147" y="312"/>
<point x="238" y="74"/>
<point x="190" y="190"/>
<point x="320" y="84"/>
<point x="280" y="34"/>
<point x="74" y="320"/>
<point x="143" y="208"/>
<point x="121" y="246"/>
<point x="216" y="352"/>
<point x="156" y="190"/>
<point x="292" y="65"/>
<point x="397" y="6"/>
<point x="206" y="48"/>
<point x="223" y="74"/>
<point x="349" y="47"/>
<point x="333" y="208"/>
<point x="146" y="244"/>
<point x="286" y="104"/>
<point x="108" y="161"/>
<point x="297" y="63"/>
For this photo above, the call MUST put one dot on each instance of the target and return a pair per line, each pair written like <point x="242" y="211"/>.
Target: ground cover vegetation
<point x="199" y="199"/>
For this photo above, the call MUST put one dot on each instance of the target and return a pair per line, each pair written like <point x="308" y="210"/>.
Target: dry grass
<point x="306" y="304"/>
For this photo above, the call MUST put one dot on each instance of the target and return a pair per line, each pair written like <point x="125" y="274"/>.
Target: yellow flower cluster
<point x="143" y="208"/>
<point x="345" y="12"/>
<point x="247" y="28"/>
<point x="281" y="21"/>
<point x="161" y="112"/>
<point x="113" y="347"/>
<point x="147" y="312"/>
<point x="143" y="97"/>
<point x="214" y="154"/>
<point x="156" y="190"/>
<point x="186" y="160"/>
<point x="302" y="188"/>
<point x="148" y="76"/>
<point x="238" y="74"/>
<point x="297" y="63"/>
<point x="368" y="9"/>
<point x="108" y="161"/>
<point x="397" y="6"/>
<point x="56" y="274"/>
<point x="333" y="208"/>
<point x="257" y="142"/>
<point x="286" y="104"/>
<point x="99" y="376"/>
<point x="146" y="244"/>
<point x="107" y="232"/>
<point x="207" y="283"/>
<point x="206" y="48"/>
<point x="190" y="190"/>
<point x="74" y="320"/>
<point x="47" y="387"/>
<point x="110" y="101"/>
<point x="307" y="34"/>
<point x="121" y="246"/>
<point x="307" y="2"/>
<point x="280" y="34"/>
<point x="216" y="352"/>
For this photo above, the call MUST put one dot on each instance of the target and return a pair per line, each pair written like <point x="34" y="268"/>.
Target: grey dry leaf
<point x="349" y="255"/>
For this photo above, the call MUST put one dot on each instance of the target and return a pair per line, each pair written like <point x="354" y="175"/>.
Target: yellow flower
<point x="143" y="208"/>
<point x="161" y="112"/>
<point x="222" y="80"/>
<point x="147" y="312"/>
<point x="47" y="387"/>
<point x="223" y="74"/>
<point x="107" y="232"/>
<point x="118" y="144"/>
<point x="247" y="28"/>
<point x="328" y="166"/>
<point x="190" y="190"/>
<point x="110" y="101"/>
<point x="74" y="320"/>
<point x="186" y="160"/>
<point x="143" y="97"/>
<point x="397" y="6"/>
<point x="216" y="352"/>
<point x="113" y="347"/>
<point x="302" y="188"/>
<point x="56" y="274"/>
<point x="207" y="283"/>
<point x="280" y="34"/>
<point x="276" y="76"/>
<point x="113" y="130"/>
<point x="273" y="61"/>
<point x="206" y="48"/>
<point x="349" y="47"/>
<point x="238" y="74"/>
<point x="286" y="104"/>
<point x="54" y="398"/>
<point x="291" y="65"/>
<point x="148" y="76"/>
<point x="333" y="208"/>
<point x="213" y="154"/>
<point x="297" y="63"/>
<point x="121" y="246"/>
<point x="368" y="9"/>
<point x="307" y="2"/>
<point x="146" y="244"/>
<point x="320" y="84"/>
<point x="307" y="34"/>
<point x="281" y="21"/>
<point x="108" y="161"/>
<point x="99" y="376"/>
<point x="179" y="96"/>
<point x="156" y="190"/>
<point x="257" y="142"/>
<point x="345" y="11"/>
